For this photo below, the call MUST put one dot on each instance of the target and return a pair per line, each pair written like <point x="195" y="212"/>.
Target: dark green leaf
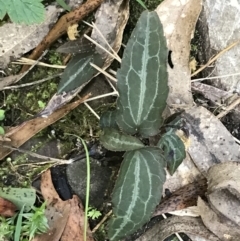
<point x="114" y="140"/>
<point x="79" y="71"/>
<point x="137" y="191"/>
<point x="142" y="79"/>
<point x="81" y="45"/>
<point x="174" y="150"/>
<point x="108" y="119"/>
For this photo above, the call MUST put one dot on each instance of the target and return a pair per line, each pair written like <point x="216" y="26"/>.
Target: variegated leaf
<point x="79" y="71"/>
<point x="114" y="140"/>
<point x="137" y="191"/>
<point x="174" y="150"/>
<point x="142" y="78"/>
<point x="108" y="119"/>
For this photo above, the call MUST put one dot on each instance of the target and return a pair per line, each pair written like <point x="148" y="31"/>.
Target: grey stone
<point x="100" y="177"/>
<point x="219" y="26"/>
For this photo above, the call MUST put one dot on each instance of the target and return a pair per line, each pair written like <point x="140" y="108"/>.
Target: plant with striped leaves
<point x="143" y="91"/>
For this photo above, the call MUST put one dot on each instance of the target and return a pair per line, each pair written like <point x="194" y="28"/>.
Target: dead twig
<point x="229" y="108"/>
<point x="61" y="27"/>
<point x="215" y="57"/>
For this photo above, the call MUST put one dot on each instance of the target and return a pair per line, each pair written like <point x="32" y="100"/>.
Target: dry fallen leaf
<point x="7" y="208"/>
<point x="175" y="224"/>
<point x="57" y="211"/>
<point x="179" y="19"/>
<point x="224" y="189"/>
<point x="222" y="214"/>
<point x="218" y="224"/>
<point x="184" y="197"/>
<point x="65" y="218"/>
<point x="22" y="133"/>
<point x="74" y="229"/>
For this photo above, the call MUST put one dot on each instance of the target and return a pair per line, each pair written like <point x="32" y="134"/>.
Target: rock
<point x="100" y="177"/>
<point x="219" y="26"/>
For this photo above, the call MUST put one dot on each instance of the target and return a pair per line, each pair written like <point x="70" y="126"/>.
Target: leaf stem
<point x="88" y="184"/>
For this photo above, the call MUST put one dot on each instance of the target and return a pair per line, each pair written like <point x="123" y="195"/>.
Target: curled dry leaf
<point x="175" y="224"/>
<point x="74" y="229"/>
<point x="18" y="39"/>
<point x="57" y="211"/>
<point x="222" y="214"/>
<point x="179" y="19"/>
<point x="111" y="19"/>
<point x="65" y="218"/>
<point x="182" y="198"/>
<point x="218" y="224"/>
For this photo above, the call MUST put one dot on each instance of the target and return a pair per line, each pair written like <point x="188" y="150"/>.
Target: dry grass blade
<point x="215" y="58"/>
<point x="26" y="61"/>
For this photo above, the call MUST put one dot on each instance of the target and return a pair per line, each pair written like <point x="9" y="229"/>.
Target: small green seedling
<point x="26" y="11"/>
<point x="27" y="226"/>
<point x="41" y="104"/>
<point x="93" y="213"/>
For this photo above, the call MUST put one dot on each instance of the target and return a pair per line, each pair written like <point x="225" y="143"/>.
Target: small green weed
<point x="27" y="226"/>
<point x="93" y="213"/>
<point x="26" y="11"/>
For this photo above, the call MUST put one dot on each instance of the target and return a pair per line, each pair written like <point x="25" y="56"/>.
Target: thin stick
<point x="103" y="72"/>
<point x="93" y="25"/>
<point x="100" y="46"/>
<point x="102" y="221"/>
<point x="48" y="159"/>
<point x="215" y="57"/>
<point x="91" y="109"/>
<point x="32" y="83"/>
<point x="112" y="72"/>
<point x="29" y="69"/>
<point x="229" y="108"/>
<point x="101" y="96"/>
<point x="110" y="83"/>
<point x="100" y="33"/>
<point x="216" y="77"/>
<point x="26" y="61"/>
<point x="237" y="141"/>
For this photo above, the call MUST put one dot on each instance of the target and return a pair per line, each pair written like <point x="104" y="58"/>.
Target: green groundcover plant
<point x="143" y="91"/>
<point x="26" y="11"/>
<point x="29" y="221"/>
